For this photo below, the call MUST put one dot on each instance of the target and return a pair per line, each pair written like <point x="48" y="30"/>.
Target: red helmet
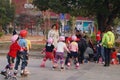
<point x="23" y="33"/>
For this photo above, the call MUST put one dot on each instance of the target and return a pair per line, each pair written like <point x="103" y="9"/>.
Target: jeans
<point x="102" y="53"/>
<point x="21" y="56"/>
<point x="107" y="52"/>
<point x="98" y="52"/>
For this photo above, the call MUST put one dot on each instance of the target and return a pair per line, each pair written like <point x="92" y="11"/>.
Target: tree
<point x="105" y="11"/>
<point x="7" y="12"/>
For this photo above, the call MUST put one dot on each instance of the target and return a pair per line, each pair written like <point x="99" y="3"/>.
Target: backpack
<point x="110" y="42"/>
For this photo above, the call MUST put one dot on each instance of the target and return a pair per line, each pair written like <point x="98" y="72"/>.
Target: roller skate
<point x="68" y="65"/>
<point x="15" y="72"/>
<point x="62" y="69"/>
<point x="54" y="68"/>
<point x="77" y="66"/>
<point x="4" y="73"/>
<point x="24" y="73"/>
<point x="42" y="65"/>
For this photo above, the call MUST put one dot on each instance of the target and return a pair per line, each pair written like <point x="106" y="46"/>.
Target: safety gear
<point x="23" y="33"/>
<point x="14" y="38"/>
<point x="74" y="38"/>
<point x="62" y="38"/>
<point x="50" y="40"/>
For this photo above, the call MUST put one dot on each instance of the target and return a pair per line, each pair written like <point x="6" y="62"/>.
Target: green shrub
<point x="1" y="34"/>
<point x="93" y="37"/>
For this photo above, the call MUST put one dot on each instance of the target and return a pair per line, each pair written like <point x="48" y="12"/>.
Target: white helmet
<point x="74" y="38"/>
<point x="62" y="38"/>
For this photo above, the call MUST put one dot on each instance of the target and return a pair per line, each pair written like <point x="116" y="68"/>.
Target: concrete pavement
<point x="90" y="71"/>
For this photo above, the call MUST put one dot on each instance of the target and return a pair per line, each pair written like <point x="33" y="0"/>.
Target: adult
<point x="78" y="34"/>
<point x="82" y="45"/>
<point x="108" y="42"/>
<point x="54" y="34"/>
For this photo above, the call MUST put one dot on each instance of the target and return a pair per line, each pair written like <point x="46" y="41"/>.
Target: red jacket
<point x="14" y="48"/>
<point x="113" y="55"/>
<point x="98" y="36"/>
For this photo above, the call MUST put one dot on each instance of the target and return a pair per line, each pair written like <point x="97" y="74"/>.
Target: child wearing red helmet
<point x="22" y="54"/>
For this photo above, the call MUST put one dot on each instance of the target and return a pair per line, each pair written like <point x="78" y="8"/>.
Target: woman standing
<point x="54" y="34"/>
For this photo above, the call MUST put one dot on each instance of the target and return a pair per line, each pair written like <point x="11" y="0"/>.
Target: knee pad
<point x="44" y="59"/>
<point x="68" y="64"/>
<point x="61" y="62"/>
<point x="77" y="64"/>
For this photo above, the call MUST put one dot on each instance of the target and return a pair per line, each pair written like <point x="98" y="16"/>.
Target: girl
<point x="60" y="50"/>
<point x="14" y="48"/>
<point x="73" y="47"/>
<point x="114" y="56"/>
<point x="49" y="52"/>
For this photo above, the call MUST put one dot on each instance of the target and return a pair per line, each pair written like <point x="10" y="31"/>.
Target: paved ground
<point x="90" y="71"/>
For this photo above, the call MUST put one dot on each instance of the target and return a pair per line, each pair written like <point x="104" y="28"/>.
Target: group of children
<point x="19" y="51"/>
<point x="56" y="54"/>
<point x="74" y="52"/>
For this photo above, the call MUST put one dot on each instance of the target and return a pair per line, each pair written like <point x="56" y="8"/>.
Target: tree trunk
<point x="73" y="24"/>
<point x="0" y="28"/>
<point x="104" y="21"/>
<point x="101" y="22"/>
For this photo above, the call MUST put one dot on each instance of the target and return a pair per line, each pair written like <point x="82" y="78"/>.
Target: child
<point x="60" y="50"/>
<point x="27" y="56"/>
<point x="68" y="41"/>
<point x="73" y="47"/>
<point x="49" y="52"/>
<point x="22" y="54"/>
<point x="114" y="56"/>
<point x="14" y="48"/>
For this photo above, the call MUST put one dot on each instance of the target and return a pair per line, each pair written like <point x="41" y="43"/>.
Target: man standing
<point x="108" y="43"/>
